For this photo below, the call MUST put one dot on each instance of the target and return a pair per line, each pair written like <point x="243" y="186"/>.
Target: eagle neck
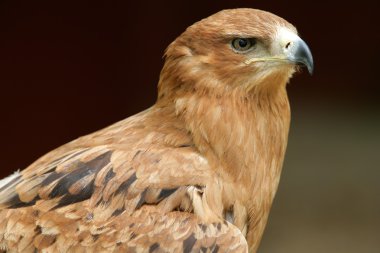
<point x="244" y="138"/>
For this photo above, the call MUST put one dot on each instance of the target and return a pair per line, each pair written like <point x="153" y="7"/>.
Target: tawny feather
<point x="196" y="172"/>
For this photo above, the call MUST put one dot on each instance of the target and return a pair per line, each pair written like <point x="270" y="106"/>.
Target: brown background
<point x="68" y="68"/>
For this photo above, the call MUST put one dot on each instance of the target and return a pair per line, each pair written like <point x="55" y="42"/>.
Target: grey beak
<point x="301" y="54"/>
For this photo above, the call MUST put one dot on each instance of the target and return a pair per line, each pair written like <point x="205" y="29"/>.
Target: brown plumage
<point x="196" y="172"/>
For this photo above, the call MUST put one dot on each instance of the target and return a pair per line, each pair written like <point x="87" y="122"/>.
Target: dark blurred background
<point x="68" y="68"/>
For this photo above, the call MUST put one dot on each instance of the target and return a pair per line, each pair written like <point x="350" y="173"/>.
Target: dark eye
<point x="243" y="44"/>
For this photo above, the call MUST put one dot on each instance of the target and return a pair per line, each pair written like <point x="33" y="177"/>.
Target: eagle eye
<point x="243" y="44"/>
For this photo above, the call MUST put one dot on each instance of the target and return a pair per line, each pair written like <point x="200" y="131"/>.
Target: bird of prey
<point x="196" y="172"/>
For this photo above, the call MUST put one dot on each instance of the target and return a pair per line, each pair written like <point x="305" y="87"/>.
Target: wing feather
<point x="109" y="199"/>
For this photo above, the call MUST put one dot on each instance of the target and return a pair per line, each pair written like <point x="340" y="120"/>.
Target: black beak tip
<point x="310" y="67"/>
<point x="305" y="58"/>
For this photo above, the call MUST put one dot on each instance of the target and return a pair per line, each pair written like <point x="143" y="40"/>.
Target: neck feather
<point x="247" y="134"/>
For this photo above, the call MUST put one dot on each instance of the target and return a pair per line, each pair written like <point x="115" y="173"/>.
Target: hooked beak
<point x="299" y="53"/>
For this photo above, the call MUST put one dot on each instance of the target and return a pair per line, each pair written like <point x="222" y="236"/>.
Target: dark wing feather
<point x="68" y="180"/>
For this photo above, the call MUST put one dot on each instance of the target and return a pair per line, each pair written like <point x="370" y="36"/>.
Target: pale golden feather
<point x="196" y="172"/>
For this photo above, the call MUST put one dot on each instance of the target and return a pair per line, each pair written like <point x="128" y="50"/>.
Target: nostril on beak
<point x="288" y="45"/>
